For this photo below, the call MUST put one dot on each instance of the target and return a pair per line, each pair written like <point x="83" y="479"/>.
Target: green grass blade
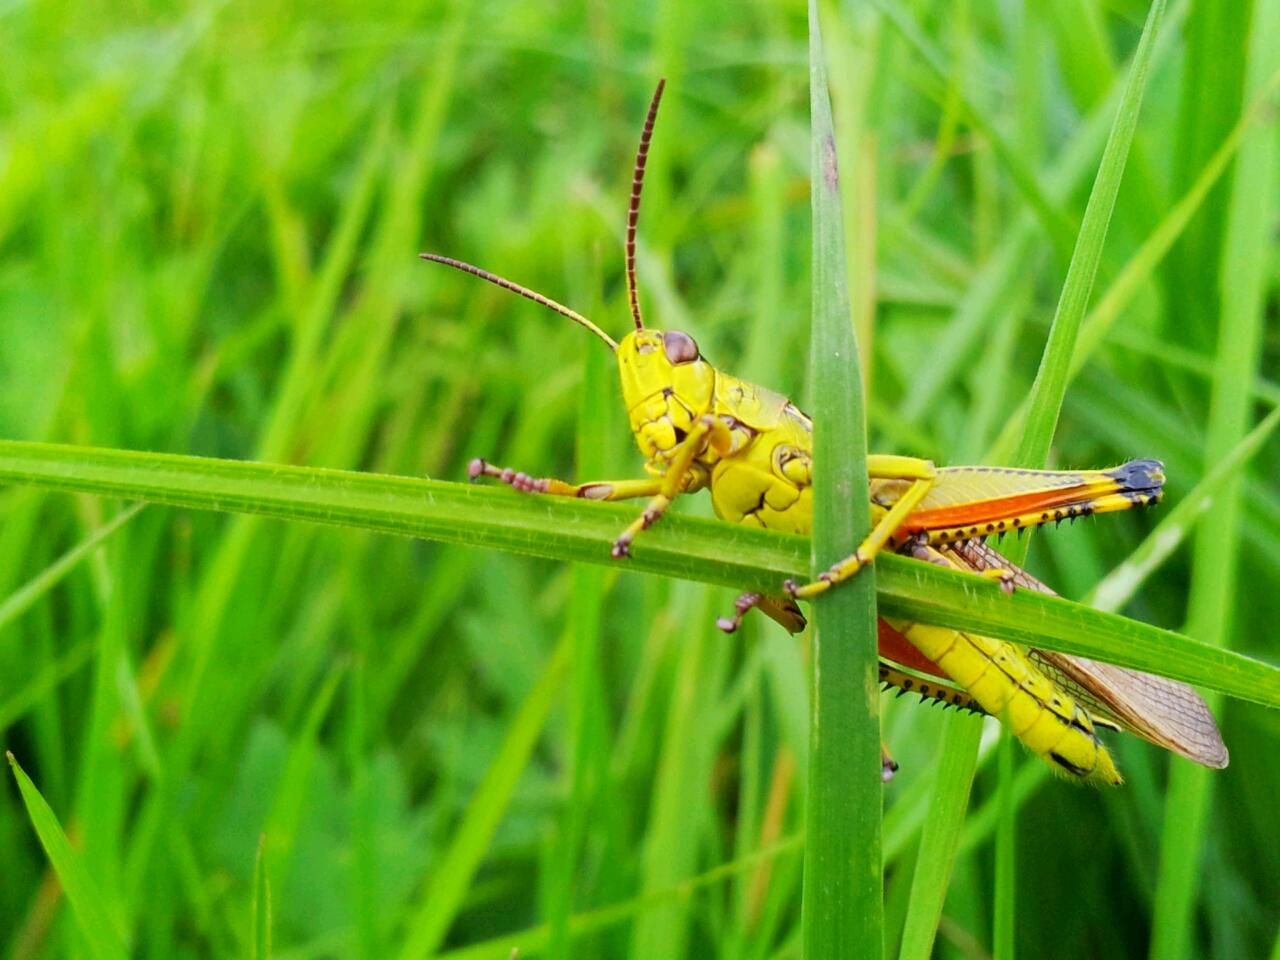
<point x="1142" y="264"/>
<point x="1139" y="269"/>
<point x="1051" y="380"/>
<point x="684" y="547"/>
<point x="533" y="942"/>
<point x="1004" y="919"/>
<point x="451" y="876"/>
<point x="588" y="728"/>
<point x="289" y="802"/>
<point x="1211" y="605"/>
<point x="33" y="691"/>
<point x="86" y="900"/>
<point x="842" y="897"/>
<point x="260" y="933"/>
<point x="941" y="833"/>
<point x="1055" y="223"/>
<point x="21" y="599"/>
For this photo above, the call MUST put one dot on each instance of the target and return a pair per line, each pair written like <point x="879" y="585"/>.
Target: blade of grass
<point x="1138" y="270"/>
<point x="450" y="879"/>
<point x="1044" y="404"/>
<point x="289" y="802"/>
<point x="1004" y="919"/>
<point x="941" y="833"/>
<point x="363" y="884"/>
<point x="991" y="284"/>
<point x="260" y="932"/>
<point x="1055" y="223"/>
<point x="1051" y="379"/>
<point x="588" y="729"/>
<point x="533" y="941"/>
<point x="21" y="599"/>
<point x="1211" y="605"/>
<point x="684" y="547"/>
<point x="841" y="907"/>
<point x="86" y="901"/>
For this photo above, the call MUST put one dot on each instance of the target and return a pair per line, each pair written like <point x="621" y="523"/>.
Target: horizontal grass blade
<point x="688" y="548"/>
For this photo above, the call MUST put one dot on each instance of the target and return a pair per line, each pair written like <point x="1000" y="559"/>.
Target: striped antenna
<point x="524" y="292"/>
<point x="633" y="214"/>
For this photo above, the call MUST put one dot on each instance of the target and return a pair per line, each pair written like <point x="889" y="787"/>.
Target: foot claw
<point x="475" y="468"/>
<point x="620" y="550"/>
<point x="790" y="587"/>
<point x="727" y="624"/>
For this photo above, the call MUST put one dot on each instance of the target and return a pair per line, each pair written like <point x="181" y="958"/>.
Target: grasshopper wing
<point x="1162" y="711"/>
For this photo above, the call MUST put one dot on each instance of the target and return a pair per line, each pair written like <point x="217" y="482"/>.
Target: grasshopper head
<point x="666" y="385"/>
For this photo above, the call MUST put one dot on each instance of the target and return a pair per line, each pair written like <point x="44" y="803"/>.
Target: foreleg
<point x="705" y="431"/>
<point x="592" y="490"/>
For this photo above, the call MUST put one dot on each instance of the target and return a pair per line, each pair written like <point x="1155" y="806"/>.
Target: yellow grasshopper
<point x="752" y="448"/>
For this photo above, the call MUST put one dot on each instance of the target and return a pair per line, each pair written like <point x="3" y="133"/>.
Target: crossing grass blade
<point x="1050" y="385"/>
<point x="842" y="898"/>
<point x="941" y="833"/>
<point x="946" y="814"/>
<point x="683" y="547"/>
<point x="86" y="900"/>
<point x="21" y="600"/>
<point x="1246" y="239"/>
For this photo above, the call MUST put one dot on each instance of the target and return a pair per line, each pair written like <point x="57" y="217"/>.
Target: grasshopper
<point x="752" y="448"/>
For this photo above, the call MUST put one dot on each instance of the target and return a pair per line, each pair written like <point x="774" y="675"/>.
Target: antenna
<point x="524" y="292"/>
<point x="633" y="214"/>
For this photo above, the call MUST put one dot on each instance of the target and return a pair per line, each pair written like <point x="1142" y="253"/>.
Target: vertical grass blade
<point x="956" y="762"/>
<point x="946" y="812"/>
<point x="260" y="947"/>
<point x="86" y="900"/>
<point x="1050" y="385"/>
<point x="842" y="899"/>
<point x="1210" y="613"/>
<point x="1004" y="921"/>
<point x="451" y="877"/>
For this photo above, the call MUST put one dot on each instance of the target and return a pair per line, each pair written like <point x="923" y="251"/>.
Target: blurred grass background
<point x="208" y="221"/>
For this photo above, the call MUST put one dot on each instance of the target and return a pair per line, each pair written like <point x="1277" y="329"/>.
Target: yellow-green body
<point x="762" y="477"/>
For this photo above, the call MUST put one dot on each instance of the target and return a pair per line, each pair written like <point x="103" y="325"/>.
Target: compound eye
<point x="679" y="347"/>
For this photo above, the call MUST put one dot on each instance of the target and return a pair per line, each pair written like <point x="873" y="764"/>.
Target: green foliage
<point x="461" y="744"/>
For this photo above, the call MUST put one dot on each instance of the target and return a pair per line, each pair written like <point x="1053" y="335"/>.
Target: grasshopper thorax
<point x="666" y="385"/>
